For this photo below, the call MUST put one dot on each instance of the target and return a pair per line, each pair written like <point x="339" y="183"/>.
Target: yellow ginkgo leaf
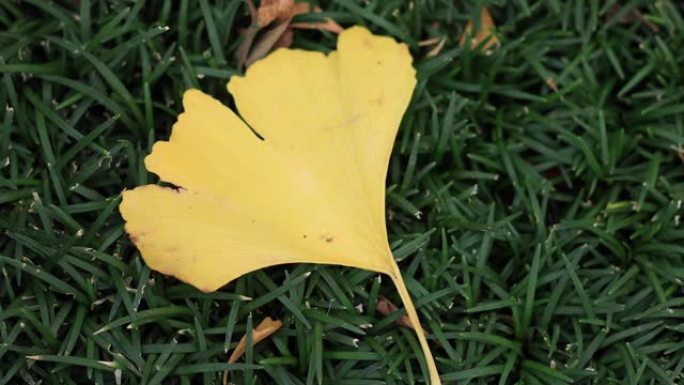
<point x="311" y="191"/>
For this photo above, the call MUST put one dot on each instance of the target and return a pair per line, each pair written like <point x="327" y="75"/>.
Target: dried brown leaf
<point x="428" y="42"/>
<point x="270" y="10"/>
<point x="267" y="327"/>
<point x="271" y="28"/>
<point x="285" y="40"/>
<point x="267" y="41"/>
<point x="437" y="43"/>
<point x="438" y="48"/>
<point x="247" y="40"/>
<point x="327" y="25"/>
<point x="486" y="31"/>
<point x="386" y="307"/>
<point x="276" y="12"/>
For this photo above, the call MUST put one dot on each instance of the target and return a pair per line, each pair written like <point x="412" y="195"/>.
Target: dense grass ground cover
<point x="548" y="177"/>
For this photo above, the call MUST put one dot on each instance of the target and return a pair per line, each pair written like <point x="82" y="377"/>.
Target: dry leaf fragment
<point x="327" y="25"/>
<point x="437" y="42"/>
<point x="285" y="40"/>
<point x="385" y="307"/>
<point x="273" y="20"/>
<point x="428" y="42"/>
<point x="270" y="10"/>
<point x="486" y="31"/>
<point x="312" y="191"/>
<point x="551" y="83"/>
<point x="438" y="48"/>
<point x="268" y="41"/>
<point x="279" y="11"/>
<point x="265" y="328"/>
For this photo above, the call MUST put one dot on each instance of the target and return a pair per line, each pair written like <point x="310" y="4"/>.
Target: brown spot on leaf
<point x="327" y="238"/>
<point x="379" y="101"/>
<point x="173" y="250"/>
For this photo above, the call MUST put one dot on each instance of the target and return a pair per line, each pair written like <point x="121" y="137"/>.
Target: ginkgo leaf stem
<point x="415" y="321"/>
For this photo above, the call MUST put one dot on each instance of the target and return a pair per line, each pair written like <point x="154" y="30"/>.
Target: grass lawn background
<point x="548" y="176"/>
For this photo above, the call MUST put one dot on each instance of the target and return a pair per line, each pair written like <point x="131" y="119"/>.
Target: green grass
<point x="549" y="249"/>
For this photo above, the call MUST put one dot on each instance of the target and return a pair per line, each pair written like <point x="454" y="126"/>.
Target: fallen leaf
<point x="312" y="191"/>
<point x="438" y="48"/>
<point x="436" y="42"/>
<point x="268" y="41"/>
<point x="270" y="10"/>
<point x="248" y="36"/>
<point x="428" y="42"/>
<point x="279" y="11"/>
<point x="285" y="40"/>
<point x="486" y="31"/>
<point x="271" y="27"/>
<point x="265" y="328"/>
<point x="327" y="25"/>
<point x="385" y="307"/>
